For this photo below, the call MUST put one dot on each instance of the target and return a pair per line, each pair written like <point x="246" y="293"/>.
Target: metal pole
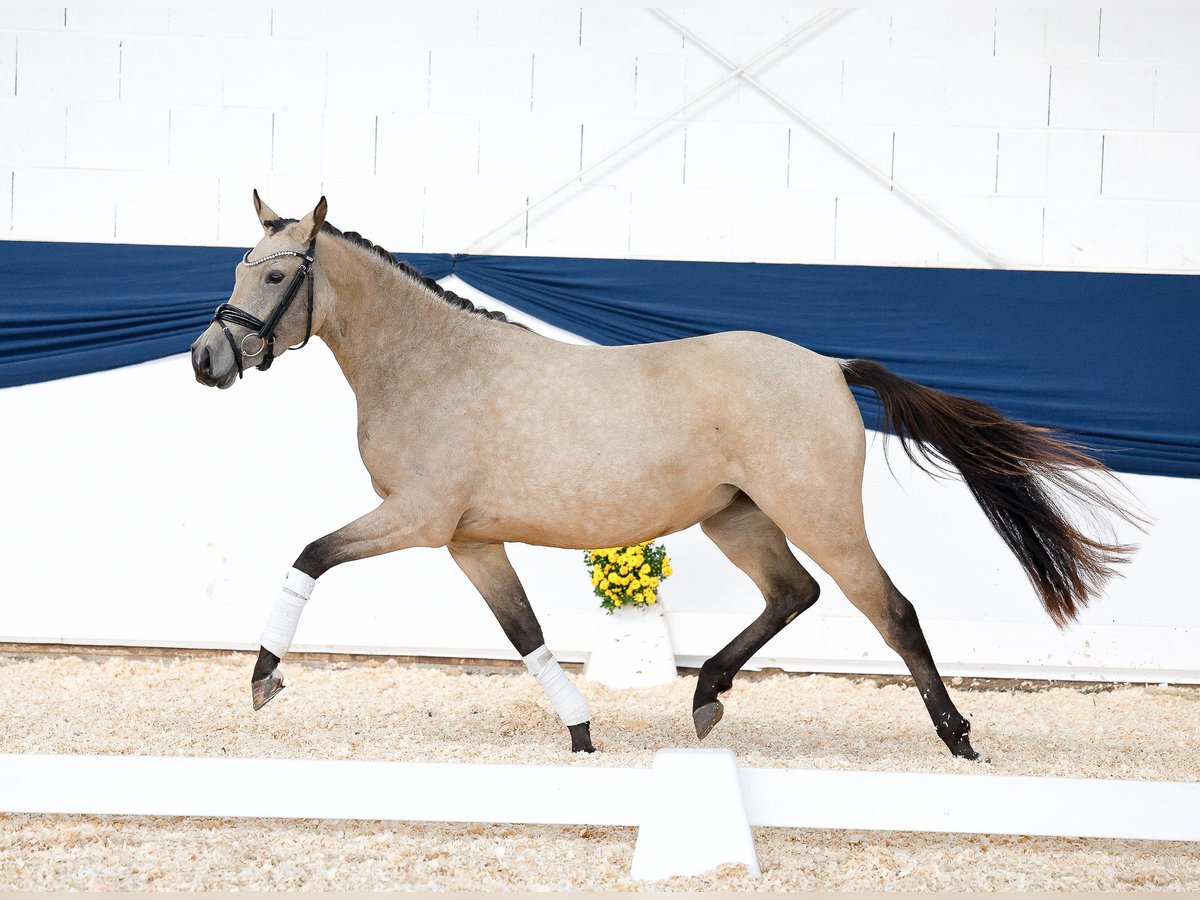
<point x="851" y="154"/>
<point x="737" y="70"/>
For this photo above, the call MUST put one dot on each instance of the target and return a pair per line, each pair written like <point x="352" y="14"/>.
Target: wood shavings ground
<point x="376" y="709"/>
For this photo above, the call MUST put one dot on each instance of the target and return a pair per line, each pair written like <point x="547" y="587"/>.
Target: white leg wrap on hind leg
<point x="568" y="702"/>
<point x="285" y="615"/>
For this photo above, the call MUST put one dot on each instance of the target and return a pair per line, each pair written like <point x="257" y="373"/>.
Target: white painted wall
<point x="1059" y="139"/>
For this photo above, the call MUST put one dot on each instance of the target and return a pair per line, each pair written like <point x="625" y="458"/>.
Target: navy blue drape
<point x="1106" y="357"/>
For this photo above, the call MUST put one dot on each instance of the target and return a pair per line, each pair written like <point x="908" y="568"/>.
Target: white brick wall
<point x="149" y="205"/>
<point x="532" y="156"/>
<point x="32" y="134"/>
<point x="416" y="148"/>
<point x="6" y="196"/>
<point x="1175" y="174"/>
<point x="66" y="67"/>
<point x="566" y="79"/>
<point x="1074" y="162"/>
<point x="373" y="78"/>
<point x="169" y="71"/>
<point x="65" y="204"/>
<point x="117" y="136"/>
<point x="347" y="142"/>
<point x="959" y="161"/>
<point x="1058" y="138"/>
<point x="480" y="79"/>
<point x="750" y="156"/>
<point x="658" y="162"/>
<point x="1149" y="34"/>
<point x="8" y="65"/>
<point x="1102" y="95"/>
<point x="220" y="140"/>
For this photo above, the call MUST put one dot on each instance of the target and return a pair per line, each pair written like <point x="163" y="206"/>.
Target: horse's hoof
<point x="581" y="738"/>
<point x="963" y="750"/>
<point x="264" y="689"/>
<point x="707" y="717"/>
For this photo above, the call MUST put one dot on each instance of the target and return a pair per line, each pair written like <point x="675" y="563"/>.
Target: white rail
<point x="676" y="818"/>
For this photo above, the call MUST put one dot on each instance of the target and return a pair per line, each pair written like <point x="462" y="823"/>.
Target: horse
<point x="477" y="432"/>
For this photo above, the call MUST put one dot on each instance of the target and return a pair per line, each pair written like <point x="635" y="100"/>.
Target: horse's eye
<point x="275" y="278"/>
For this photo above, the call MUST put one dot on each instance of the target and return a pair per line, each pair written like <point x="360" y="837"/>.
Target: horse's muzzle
<point x="202" y="365"/>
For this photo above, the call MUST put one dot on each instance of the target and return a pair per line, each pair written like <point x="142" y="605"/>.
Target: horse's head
<point x="272" y="304"/>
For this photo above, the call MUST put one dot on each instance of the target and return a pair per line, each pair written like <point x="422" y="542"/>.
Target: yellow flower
<point x="622" y="575"/>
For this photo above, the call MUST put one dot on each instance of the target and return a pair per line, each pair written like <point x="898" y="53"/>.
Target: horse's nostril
<point x="205" y="362"/>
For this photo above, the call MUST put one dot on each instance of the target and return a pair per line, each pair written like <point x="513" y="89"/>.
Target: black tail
<point x="1012" y="470"/>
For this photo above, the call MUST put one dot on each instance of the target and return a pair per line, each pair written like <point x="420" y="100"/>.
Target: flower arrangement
<point x="628" y="576"/>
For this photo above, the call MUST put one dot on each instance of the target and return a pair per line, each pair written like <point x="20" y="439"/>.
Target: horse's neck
<point x="387" y="330"/>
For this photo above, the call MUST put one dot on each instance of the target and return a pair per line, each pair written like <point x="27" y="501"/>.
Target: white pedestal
<point x="695" y="817"/>
<point x="632" y="649"/>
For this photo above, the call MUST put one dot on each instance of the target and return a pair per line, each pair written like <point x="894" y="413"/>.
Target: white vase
<point x="632" y="648"/>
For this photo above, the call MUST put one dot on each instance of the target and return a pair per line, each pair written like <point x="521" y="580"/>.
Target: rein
<point x="265" y="331"/>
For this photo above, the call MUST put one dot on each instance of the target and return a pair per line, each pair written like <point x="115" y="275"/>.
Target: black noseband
<point x="265" y="331"/>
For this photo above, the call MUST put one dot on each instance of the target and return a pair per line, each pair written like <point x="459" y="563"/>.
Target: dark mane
<point x="361" y="242"/>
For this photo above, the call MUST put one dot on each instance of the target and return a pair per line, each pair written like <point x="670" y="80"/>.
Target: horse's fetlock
<point x="953" y="729"/>
<point x="266" y="663"/>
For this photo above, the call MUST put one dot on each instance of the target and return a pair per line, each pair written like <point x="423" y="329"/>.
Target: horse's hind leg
<point x="758" y="547"/>
<point x="849" y="560"/>
<point x="492" y="574"/>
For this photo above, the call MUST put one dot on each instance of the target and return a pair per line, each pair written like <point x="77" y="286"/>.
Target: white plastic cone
<point x="695" y="817"/>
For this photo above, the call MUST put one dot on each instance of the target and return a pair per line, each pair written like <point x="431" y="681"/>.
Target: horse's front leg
<point x="492" y="574"/>
<point x="397" y="523"/>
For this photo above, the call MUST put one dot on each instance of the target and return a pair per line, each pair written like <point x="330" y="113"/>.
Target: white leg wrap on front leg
<point x="285" y="615"/>
<point x="568" y="702"/>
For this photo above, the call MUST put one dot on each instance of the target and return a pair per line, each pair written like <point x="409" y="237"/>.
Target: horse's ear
<point x="266" y="215"/>
<point x="311" y="224"/>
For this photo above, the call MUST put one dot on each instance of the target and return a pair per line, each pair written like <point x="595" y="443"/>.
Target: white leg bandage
<point x="285" y="616"/>
<point x="568" y="702"/>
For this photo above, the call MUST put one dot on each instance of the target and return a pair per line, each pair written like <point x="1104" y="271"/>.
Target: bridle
<point x="265" y="331"/>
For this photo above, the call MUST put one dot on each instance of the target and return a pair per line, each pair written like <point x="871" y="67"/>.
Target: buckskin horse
<point x="477" y="431"/>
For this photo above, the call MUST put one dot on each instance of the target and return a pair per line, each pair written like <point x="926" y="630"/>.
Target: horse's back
<point x="730" y="401"/>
